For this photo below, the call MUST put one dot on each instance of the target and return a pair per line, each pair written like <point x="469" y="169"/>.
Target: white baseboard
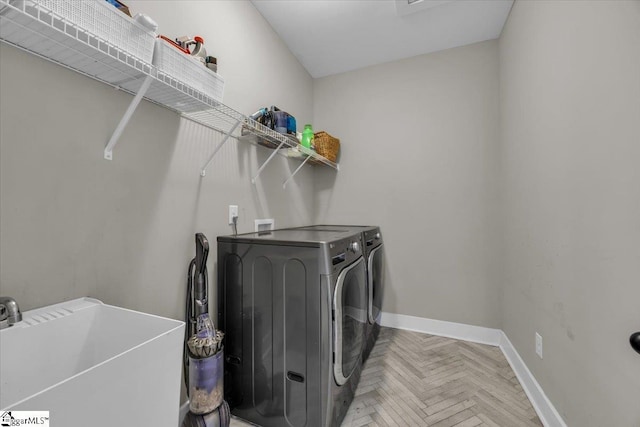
<point x="541" y="403"/>
<point x="441" y="328"/>
<point x="495" y="337"/>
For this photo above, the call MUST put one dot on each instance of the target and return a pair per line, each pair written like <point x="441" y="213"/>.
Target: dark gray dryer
<point x="293" y="306"/>
<point x="373" y="252"/>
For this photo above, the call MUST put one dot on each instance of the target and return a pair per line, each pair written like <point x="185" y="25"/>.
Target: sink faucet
<point x="9" y="312"/>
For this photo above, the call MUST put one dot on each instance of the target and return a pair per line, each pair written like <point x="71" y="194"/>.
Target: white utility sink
<point x="91" y="364"/>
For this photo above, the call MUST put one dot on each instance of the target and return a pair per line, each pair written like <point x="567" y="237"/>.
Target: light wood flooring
<point x="415" y="379"/>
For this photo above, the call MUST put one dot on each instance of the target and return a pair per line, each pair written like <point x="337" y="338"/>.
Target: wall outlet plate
<point x="233" y="213"/>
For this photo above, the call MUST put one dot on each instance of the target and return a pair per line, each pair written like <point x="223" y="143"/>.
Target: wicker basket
<point x="326" y="145"/>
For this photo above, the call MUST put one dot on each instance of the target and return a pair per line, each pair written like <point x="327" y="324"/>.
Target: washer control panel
<point x="372" y="238"/>
<point x="345" y="251"/>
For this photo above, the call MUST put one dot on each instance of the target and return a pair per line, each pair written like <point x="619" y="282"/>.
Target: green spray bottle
<point x="307" y="136"/>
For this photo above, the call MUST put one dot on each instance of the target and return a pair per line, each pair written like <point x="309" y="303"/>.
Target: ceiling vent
<point x="406" y="7"/>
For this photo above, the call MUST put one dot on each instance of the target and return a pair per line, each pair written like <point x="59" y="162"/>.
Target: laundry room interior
<point x="493" y="145"/>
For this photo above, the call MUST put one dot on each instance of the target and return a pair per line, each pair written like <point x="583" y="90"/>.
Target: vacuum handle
<point x="201" y="305"/>
<point x="202" y="252"/>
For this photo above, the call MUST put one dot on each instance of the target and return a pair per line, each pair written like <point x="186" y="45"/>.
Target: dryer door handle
<point x="634" y="340"/>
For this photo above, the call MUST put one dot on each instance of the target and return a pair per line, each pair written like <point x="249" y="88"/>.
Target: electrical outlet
<point x="539" y="345"/>
<point x="233" y="213"/>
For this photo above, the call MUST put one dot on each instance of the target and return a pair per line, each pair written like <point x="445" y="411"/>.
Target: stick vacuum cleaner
<point x="203" y="353"/>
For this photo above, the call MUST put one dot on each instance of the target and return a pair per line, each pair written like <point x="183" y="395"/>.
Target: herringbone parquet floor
<point x="415" y="379"/>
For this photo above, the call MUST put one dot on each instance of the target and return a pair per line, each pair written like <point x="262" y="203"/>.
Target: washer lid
<point x="289" y="236"/>
<point x="335" y="227"/>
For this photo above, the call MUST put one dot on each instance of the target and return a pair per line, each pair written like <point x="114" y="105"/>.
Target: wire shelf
<point x="42" y="32"/>
<point x="257" y="133"/>
<point x="33" y="28"/>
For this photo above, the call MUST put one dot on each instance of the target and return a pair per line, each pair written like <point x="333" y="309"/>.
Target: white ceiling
<point x="334" y="36"/>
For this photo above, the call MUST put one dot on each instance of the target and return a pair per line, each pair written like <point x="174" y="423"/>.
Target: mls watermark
<point x="24" y="418"/>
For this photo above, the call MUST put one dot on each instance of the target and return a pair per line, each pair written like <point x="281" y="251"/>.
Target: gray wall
<point x="570" y="102"/>
<point x="504" y="176"/>
<point x="419" y="140"/>
<point x="73" y="224"/>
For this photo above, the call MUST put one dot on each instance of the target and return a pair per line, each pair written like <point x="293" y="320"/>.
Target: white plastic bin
<point x="188" y="70"/>
<point x="106" y="22"/>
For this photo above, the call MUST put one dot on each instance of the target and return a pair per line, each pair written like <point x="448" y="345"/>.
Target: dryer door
<point x="350" y="312"/>
<point x="376" y="282"/>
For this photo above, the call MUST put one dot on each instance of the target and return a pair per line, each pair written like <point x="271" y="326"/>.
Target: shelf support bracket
<point x="203" y="172"/>
<point x="253" y="180"/>
<point x="284" y="184"/>
<point x="108" y="150"/>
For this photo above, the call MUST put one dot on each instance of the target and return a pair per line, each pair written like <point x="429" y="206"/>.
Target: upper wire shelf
<point x="33" y="28"/>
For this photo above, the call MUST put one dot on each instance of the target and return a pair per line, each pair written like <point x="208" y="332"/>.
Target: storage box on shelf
<point x="327" y="146"/>
<point x="188" y="70"/>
